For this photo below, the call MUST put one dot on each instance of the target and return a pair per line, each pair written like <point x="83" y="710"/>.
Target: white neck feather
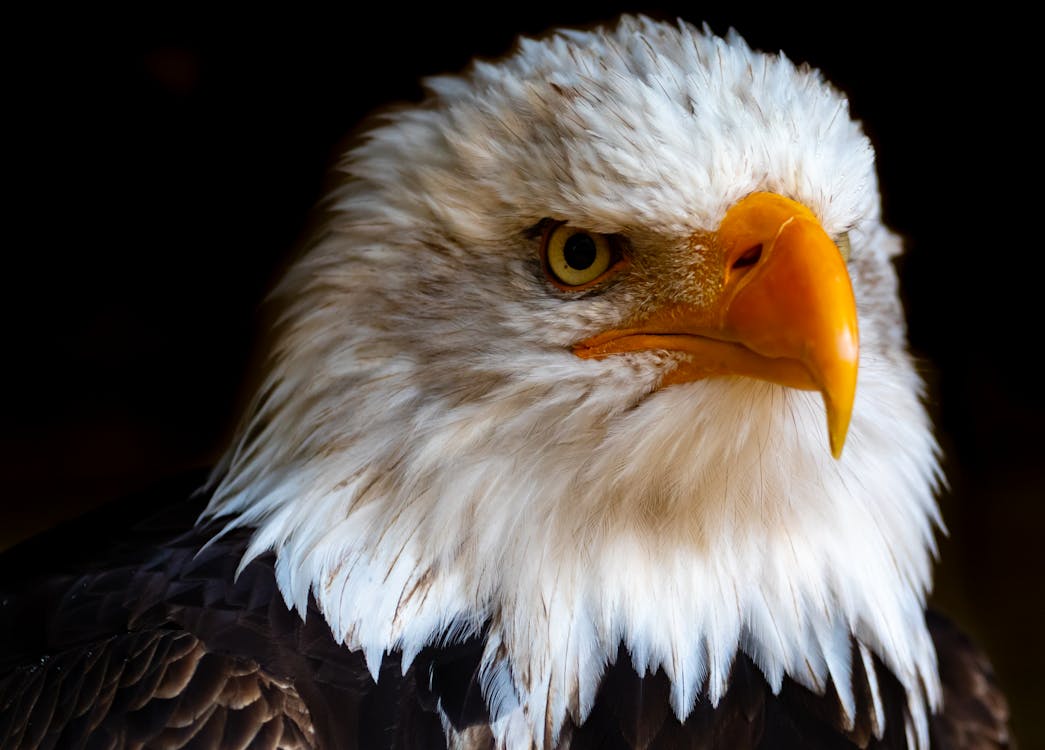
<point x="656" y="532"/>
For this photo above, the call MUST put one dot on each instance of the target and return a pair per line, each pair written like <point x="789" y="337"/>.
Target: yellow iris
<point x="576" y="256"/>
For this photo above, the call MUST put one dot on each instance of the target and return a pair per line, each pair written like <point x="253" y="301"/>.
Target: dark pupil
<point x="579" y="251"/>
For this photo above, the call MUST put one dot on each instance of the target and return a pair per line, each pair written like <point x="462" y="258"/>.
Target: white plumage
<point x="427" y="455"/>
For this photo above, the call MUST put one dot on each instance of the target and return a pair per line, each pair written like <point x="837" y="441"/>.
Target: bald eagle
<point x="588" y="421"/>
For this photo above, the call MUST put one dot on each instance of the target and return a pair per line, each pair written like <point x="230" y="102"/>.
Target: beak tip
<point x="837" y="427"/>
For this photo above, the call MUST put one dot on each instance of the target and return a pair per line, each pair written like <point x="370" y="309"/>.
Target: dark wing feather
<point x="155" y="688"/>
<point x="975" y="713"/>
<point x="151" y="642"/>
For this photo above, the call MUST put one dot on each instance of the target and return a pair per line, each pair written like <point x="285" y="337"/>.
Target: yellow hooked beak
<point x="785" y="312"/>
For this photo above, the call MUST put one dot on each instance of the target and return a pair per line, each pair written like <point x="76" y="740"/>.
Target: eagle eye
<point x="574" y="257"/>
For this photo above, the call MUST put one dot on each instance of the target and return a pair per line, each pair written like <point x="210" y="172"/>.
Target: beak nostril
<point x="749" y="257"/>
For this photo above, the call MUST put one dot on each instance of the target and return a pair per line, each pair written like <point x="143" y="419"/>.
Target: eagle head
<point x="571" y="363"/>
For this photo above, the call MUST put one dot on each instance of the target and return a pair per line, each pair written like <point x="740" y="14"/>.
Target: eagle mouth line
<point x="706" y="357"/>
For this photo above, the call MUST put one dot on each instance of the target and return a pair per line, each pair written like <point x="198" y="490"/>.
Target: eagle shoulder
<point x="157" y="687"/>
<point x="975" y="713"/>
<point x="153" y="640"/>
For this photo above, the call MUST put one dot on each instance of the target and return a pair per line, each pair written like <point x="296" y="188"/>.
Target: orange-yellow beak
<point x="785" y="312"/>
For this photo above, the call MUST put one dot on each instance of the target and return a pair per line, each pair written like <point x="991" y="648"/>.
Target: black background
<point x="160" y="169"/>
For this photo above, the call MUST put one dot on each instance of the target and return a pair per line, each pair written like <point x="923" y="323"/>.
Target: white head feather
<point x="427" y="456"/>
